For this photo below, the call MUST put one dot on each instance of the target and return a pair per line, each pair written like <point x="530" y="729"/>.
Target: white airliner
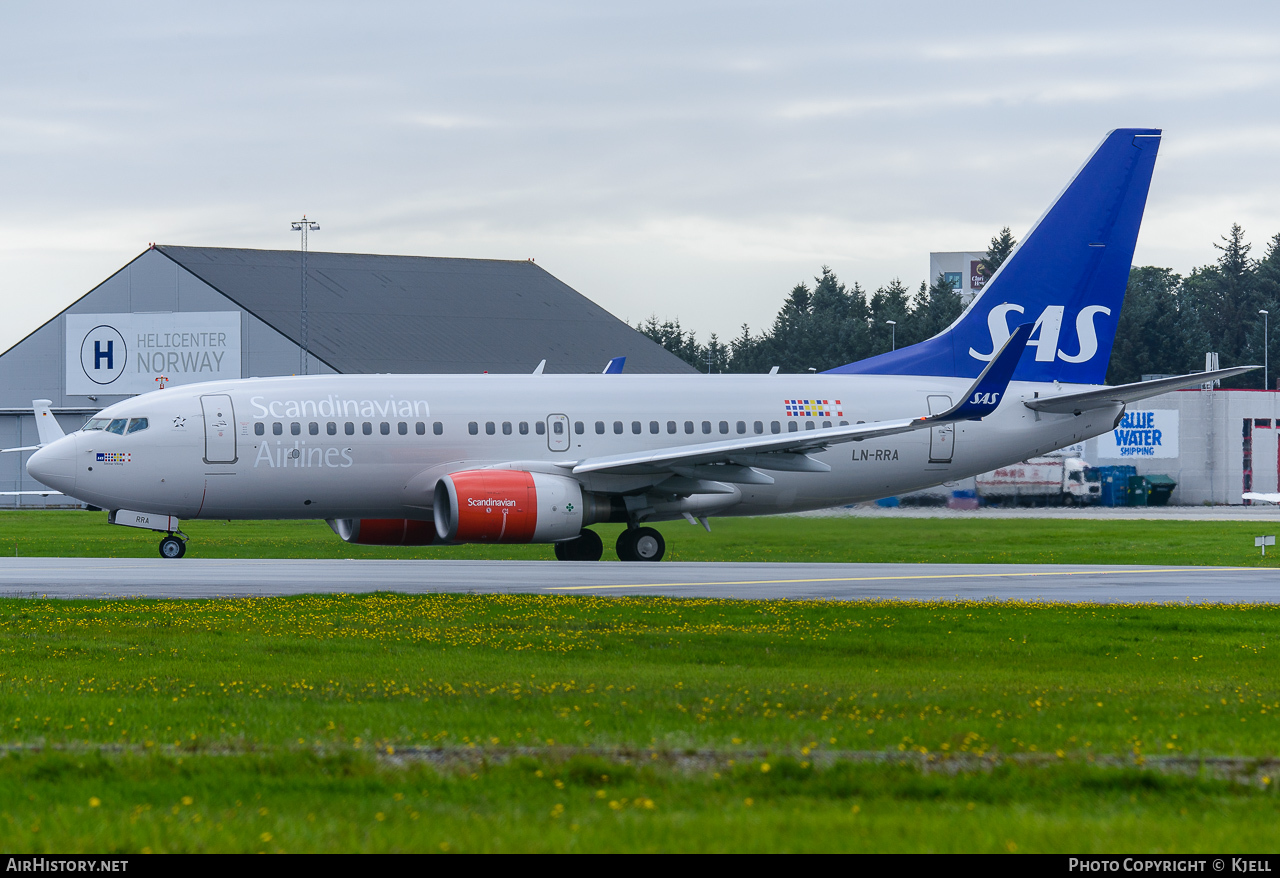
<point x="419" y="459"/>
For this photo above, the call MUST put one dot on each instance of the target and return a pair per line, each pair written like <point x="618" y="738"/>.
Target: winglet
<point x="614" y="366"/>
<point x="542" y="364"/>
<point x="46" y="424"/>
<point x="984" y="396"/>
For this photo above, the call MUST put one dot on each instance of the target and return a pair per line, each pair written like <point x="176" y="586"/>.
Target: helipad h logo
<point x="103" y="354"/>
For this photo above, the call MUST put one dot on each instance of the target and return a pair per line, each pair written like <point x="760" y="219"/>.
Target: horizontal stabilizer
<point x="1075" y="403"/>
<point x="1255" y="496"/>
<point x="47" y="427"/>
<point x="22" y="448"/>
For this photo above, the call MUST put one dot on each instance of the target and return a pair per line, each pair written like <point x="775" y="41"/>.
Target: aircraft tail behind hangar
<point x="1068" y="275"/>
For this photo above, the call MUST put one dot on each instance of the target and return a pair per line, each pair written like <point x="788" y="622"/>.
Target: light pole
<point x="893" y="334"/>
<point x="304" y="225"/>
<point x="1266" y="378"/>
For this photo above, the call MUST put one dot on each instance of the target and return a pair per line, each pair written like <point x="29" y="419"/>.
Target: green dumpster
<point x="1160" y="488"/>
<point x="1139" y="490"/>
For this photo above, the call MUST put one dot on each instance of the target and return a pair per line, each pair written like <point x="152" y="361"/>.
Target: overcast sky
<point x="690" y="160"/>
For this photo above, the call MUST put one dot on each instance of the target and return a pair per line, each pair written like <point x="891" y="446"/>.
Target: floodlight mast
<point x="304" y="225"/>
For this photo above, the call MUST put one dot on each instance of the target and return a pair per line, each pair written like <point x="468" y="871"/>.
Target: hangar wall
<point x="1215" y="444"/>
<point x="150" y="284"/>
<point x="205" y="313"/>
<point x="1223" y="443"/>
<point x="36" y="367"/>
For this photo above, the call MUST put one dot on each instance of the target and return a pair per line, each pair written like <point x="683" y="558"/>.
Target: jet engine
<point x="384" y="531"/>
<point x="514" y="506"/>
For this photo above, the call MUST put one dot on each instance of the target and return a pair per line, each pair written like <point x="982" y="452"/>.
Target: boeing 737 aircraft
<point x="420" y="459"/>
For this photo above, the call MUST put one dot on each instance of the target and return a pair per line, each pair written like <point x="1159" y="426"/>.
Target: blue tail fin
<point x="1068" y="276"/>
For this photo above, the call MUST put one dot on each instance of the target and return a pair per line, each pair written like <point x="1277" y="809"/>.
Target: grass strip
<point x="589" y="723"/>
<point x="304" y="802"/>
<point x="857" y="540"/>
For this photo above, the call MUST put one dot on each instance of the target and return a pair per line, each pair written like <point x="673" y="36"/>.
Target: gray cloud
<point x="690" y="160"/>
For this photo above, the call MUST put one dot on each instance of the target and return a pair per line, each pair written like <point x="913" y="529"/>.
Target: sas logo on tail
<point x="1044" y="335"/>
<point x="985" y="399"/>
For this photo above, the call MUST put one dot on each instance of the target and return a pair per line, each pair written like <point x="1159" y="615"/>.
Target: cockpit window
<point x="117" y="426"/>
<point x="137" y="425"/>
<point x="96" y="424"/>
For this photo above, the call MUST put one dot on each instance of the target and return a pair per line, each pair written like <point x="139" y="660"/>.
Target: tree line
<point x="1167" y="324"/>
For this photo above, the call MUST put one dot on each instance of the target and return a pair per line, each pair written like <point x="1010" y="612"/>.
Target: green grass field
<point x="512" y="722"/>
<point x="1062" y="541"/>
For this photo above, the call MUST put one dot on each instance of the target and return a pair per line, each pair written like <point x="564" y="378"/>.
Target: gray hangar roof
<point x="410" y="314"/>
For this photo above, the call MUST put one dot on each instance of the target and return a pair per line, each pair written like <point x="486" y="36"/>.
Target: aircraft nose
<point x="54" y="465"/>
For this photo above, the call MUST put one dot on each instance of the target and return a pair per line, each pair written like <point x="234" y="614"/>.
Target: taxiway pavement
<point x="206" y="578"/>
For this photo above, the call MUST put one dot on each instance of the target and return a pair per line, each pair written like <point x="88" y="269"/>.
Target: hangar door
<point x="219" y="437"/>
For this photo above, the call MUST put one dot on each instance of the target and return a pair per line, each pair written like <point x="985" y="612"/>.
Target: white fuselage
<point x="374" y="446"/>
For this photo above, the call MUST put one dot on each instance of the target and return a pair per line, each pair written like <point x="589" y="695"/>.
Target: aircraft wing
<point x="1075" y="403"/>
<point x="788" y="451"/>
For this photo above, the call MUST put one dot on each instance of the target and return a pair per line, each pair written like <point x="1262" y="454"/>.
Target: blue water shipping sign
<point x="1142" y="434"/>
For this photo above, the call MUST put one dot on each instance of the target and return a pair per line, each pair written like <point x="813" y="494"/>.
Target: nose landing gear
<point x="173" y="547"/>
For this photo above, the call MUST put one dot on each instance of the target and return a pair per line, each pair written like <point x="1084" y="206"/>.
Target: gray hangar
<point x="179" y="315"/>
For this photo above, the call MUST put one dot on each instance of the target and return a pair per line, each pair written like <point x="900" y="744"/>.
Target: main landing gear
<point x="173" y="547"/>
<point x="641" y="544"/>
<point x="586" y="546"/>
<point x="634" y="544"/>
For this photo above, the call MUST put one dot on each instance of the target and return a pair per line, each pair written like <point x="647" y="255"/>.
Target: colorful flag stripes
<point x="812" y="408"/>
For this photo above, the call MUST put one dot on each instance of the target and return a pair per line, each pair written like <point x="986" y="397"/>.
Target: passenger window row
<point x="349" y="428"/>
<point x="638" y="427"/>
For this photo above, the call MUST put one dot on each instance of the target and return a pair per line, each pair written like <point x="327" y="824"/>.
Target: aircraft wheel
<point x="587" y="546"/>
<point x="172" y="547"/>
<point x="641" y="544"/>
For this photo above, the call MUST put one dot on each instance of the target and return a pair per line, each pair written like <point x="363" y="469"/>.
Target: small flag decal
<point x="812" y="408"/>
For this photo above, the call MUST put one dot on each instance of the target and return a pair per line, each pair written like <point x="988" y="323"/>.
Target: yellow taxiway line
<point x="897" y="578"/>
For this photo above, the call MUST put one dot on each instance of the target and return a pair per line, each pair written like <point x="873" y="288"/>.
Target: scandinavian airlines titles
<point x="336" y="407"/>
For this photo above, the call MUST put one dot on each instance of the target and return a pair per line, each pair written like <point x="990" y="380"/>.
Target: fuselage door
<point x="558" y="432"/>
<point x="219" y="429"/>
<point x="942" y="438"/>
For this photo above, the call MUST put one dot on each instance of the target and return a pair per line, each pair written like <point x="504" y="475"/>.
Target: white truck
<point x="1041" y="481"/>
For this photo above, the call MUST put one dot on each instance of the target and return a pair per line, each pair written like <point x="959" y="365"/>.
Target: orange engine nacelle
<point x="509" y="506"/>
<point x="385" y="531"/>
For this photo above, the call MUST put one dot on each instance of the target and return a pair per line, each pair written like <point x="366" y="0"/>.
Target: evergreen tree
<point x="1157" y="333"/>
<point x="890" y="302"/>
<point x="715" y="357"/>
<point x="746" y="353"/>
<point x="669" y="334"/>
<point x="1226" y="297"/>
<point x="1268" y="280"/>
<point x="1165" y="326"/>
<point x="934" y="308"/>
<point x="1001" y="246"/>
